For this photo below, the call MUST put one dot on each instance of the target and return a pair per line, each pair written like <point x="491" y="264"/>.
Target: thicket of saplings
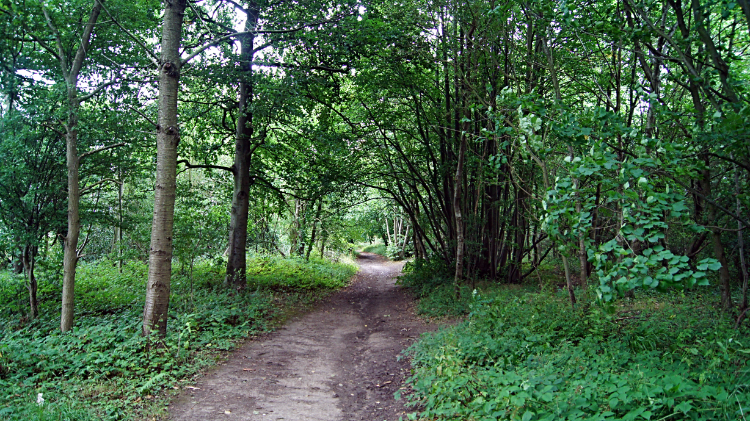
<point x="104" y="369"/>
<point x="524" y="353"/>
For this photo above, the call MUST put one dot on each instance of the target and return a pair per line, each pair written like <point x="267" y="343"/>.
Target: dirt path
<point x="337" y="363"/>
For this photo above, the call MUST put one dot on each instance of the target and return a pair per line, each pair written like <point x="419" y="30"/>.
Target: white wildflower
<point x="39" y="399"/>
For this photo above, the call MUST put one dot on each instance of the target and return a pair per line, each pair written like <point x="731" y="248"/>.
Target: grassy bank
<point x="104" y="370"/>
<point x="525" y="355"/>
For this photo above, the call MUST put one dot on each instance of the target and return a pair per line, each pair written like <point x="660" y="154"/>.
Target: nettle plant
<point x="622" y="196"/>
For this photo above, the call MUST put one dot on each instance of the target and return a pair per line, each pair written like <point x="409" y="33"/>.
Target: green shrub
<point x="432" y="282"/>
<point x="530" y="357"/>
<point x="424" y="276"/>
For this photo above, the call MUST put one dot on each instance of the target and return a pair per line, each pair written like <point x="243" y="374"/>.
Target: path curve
<point x="336" y="363"/>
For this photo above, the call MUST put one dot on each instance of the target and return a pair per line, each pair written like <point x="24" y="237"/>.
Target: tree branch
<point x="703" y="196"/>
<point x="96" y="91"/>
<point x="99" y="183"/>
<point x="237" y="6"/>
<point x="85" y="39"/>
<point x="239" y="34"/>
<point x="296" y="66"/>
<point x="103" y="148"/>
<point x="47" y="125"/>
<point x="45" y="46"/>
<point x="60" y="51"/>
<point x="205" y="166"/>
<point x="153" y="123"/>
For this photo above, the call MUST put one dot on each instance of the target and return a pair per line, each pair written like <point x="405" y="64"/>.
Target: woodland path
<point x="336" y="363"/>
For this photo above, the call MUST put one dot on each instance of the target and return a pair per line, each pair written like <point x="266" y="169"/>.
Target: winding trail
<point x="336" y="363"/>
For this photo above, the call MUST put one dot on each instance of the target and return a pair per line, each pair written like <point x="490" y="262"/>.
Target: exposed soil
<point x="336" y="363"/>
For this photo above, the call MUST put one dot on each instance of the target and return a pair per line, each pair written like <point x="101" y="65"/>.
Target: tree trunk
<point x="403" y="245"/>
<point x="457" y="197"/>
<point x="323" y="240"/>
<point x="568" y="280"/>
<point x="18" y="263"/>
<point x="724" y="276"/>
<point x="294" y="229"/>
<point x="70" y="243"/>
<point x="236" y="263"/>
<point x="29" y="259"/>
<point x="387" y="238"/>
<point x="167" y="138"/>
<point x="741" y="249"/>
<point x="314" y="230"/>
<point x="718" y="246"/>
<point x="120" y="194"/>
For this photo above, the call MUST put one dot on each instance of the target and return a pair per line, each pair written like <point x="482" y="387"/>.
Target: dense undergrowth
<point x="392" y="252"/>
<point x="377" y="248"/>
<point x="526" y="355"/>
<point x="104" y="369"/>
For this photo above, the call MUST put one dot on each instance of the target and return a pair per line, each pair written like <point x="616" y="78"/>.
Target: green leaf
<point x="684" y="407"/>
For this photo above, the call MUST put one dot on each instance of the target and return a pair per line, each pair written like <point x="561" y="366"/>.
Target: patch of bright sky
<point x="36" y="75"/>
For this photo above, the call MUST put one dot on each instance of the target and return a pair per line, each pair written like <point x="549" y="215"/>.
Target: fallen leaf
<point x="193" y="387"/>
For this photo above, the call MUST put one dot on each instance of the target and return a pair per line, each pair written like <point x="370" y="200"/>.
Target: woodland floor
<point x="336" y="363"/>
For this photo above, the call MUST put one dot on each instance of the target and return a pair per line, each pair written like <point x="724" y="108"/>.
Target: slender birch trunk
<point x="167" y="138"/>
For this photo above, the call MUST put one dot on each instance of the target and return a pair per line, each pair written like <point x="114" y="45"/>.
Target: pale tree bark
<point x="167" y="138"/>
<point x="236" y="262"/>
<point x="70" y="72"/>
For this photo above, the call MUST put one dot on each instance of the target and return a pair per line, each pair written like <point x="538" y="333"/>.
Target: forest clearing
<point x="564" y="183"/>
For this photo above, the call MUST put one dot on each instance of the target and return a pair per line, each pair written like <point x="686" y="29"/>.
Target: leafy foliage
<point x="529" y="357"/>
<point x="432" y="283"/>
<point x="104" y="369"/>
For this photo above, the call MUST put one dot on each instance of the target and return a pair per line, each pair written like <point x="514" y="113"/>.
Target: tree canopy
<point x="493" y="135"/>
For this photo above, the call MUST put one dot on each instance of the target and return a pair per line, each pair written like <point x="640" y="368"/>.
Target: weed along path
<point x="336" y="363"/>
